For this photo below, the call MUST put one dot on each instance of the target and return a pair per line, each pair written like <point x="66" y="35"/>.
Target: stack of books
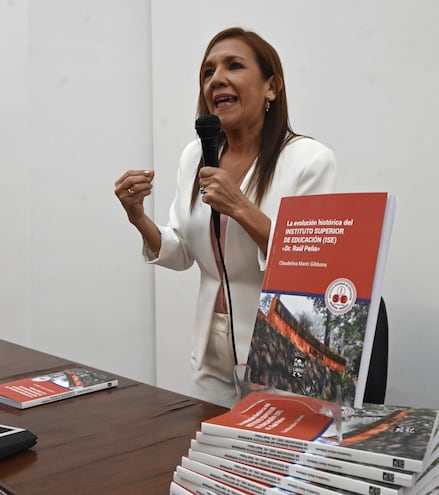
<point x="277" y="443"/>
<point x="312" y="340"/>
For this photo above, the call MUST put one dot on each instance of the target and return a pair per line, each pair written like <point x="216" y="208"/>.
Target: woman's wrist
<point x="149" y="231"/>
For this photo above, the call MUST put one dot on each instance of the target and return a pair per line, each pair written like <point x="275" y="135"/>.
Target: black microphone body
<point x="209" y="130"/>
<point x="210" y="151"/>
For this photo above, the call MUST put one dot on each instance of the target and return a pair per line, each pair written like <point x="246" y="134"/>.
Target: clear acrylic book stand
<point x="244" y="386"/>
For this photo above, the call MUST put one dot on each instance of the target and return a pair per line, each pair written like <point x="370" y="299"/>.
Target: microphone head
<point x="208" y="126"/>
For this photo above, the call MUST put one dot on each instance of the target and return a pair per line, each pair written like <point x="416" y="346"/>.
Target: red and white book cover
<point x="319" y="302"/>
<point x="53" y="386"/>
<point x="394" y="437"/>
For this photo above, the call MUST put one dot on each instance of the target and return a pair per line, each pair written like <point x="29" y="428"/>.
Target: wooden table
<point x="126" y="440"/>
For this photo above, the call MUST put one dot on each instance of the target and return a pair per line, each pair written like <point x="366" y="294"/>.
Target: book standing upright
<point x="319" y="302"/>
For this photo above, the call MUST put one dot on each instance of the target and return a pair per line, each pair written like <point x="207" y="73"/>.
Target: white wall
<point x="361" y="77"/>
<point x="76" y="104"/>
<point x="74" y="114"/>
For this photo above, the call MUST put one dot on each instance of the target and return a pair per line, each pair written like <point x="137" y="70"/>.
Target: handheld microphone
<point x="208" y="128"/>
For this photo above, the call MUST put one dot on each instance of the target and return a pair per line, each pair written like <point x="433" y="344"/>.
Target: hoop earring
<point x="267" y="105"/>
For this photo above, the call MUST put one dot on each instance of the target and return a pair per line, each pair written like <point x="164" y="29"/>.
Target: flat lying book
<point x="37" y="390"/>
<point x="402" y="438"/>
<point x="231" y="460"/>
<point x="200" y="484"/>
<point x="293" y="477"/>
<point x="205" y="443"/>
<point x="178" y="489"/>
<point x="14" y="440"/>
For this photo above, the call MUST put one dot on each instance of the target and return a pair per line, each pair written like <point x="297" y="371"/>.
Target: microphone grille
<point x="208" y="126"/>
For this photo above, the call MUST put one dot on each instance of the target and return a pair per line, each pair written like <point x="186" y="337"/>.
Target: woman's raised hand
<point x="131" y="189"/>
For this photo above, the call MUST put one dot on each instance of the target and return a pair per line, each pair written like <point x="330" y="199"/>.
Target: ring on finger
<point x="130" y="191"/>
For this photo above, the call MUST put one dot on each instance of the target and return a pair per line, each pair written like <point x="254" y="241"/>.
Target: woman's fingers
<point x="134" y="182"/>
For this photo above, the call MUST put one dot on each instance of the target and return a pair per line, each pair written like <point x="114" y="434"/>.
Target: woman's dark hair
<point x="277" y="130"/>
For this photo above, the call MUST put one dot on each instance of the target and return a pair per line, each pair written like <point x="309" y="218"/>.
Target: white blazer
<point x="305" y="166"/>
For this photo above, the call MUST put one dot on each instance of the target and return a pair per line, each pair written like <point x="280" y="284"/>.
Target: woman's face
<point x="233" y="86"/>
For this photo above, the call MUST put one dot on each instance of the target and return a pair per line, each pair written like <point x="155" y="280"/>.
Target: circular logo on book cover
<point x="340" y="296"/>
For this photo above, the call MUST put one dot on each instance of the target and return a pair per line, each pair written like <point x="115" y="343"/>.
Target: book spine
<point x="230" y="479"/>
<point x="176" y="489"/>
<point x="200" y="485"/>
<point x="65" y="395"/>
<point x="369" y="472"/>
<point x="306" y="473"/>
<point x="295" y="485"/>
<point x="383" y="248"/>
<point x="198" y="479"/>
<point x="97" y="387"/>
<point x="428" y="480"/>
<point x="434" y="440"/>
<point x="50" y="398"/>
<point x="337" y="451"/>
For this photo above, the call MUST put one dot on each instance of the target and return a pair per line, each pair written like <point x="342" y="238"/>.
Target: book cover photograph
<point x="319" y="302"/>
<point x="57" y="385"/>
<point x="285" y="443"/>
<point x="402" y="438"/>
